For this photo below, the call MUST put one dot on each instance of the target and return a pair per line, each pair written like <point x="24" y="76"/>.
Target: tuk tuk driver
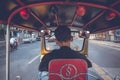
<point x="63" y="39"/>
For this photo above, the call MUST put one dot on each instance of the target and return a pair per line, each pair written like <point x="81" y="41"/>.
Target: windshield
<point x="76" y="43"/>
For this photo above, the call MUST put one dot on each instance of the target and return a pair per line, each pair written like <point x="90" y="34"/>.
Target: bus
<point x="83" y="17"/>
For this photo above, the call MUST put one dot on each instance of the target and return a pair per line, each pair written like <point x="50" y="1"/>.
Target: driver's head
<point x="63" y="34"/>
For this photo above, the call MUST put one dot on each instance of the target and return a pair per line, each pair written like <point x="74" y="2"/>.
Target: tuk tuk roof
<point x="92" y="15"/>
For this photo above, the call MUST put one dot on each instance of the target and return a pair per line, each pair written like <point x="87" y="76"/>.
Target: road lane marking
<point x="101" y="72"/>
<point x="33" y="59"/>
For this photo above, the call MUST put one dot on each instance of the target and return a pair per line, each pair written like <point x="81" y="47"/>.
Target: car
<point x="27" y="40"/>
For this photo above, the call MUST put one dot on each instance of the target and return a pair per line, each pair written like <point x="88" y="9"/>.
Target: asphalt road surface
<point x="107" y="57"/>
<point x="24" y="62"/>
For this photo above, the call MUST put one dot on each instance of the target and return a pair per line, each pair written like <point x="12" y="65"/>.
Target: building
<point x="111" y="35"/>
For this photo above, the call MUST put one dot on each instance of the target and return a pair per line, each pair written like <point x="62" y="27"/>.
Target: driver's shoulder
<point x="53" y="52"/>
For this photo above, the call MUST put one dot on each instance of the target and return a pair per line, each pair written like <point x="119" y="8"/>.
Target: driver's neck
<point x="61" y="44"/>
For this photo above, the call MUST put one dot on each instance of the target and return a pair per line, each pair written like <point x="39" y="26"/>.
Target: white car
<point x="30" y="40"/>
<point x="27" y="39"/>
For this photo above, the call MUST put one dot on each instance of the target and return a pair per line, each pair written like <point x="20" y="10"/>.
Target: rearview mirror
<point x="84" y="34"/>
<point x="45" y="32"/>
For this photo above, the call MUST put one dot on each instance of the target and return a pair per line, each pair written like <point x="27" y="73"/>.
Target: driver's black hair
<point x="63" y="33"/>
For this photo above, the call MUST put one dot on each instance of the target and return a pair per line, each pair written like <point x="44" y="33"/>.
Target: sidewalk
<point x="107" y="43"/>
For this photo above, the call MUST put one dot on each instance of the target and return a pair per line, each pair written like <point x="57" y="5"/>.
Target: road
<point x="106" y="57"/>
<point x="24" y="62"/>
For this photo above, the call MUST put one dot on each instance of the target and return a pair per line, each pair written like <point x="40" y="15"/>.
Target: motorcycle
<point x="14" y="45"/>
